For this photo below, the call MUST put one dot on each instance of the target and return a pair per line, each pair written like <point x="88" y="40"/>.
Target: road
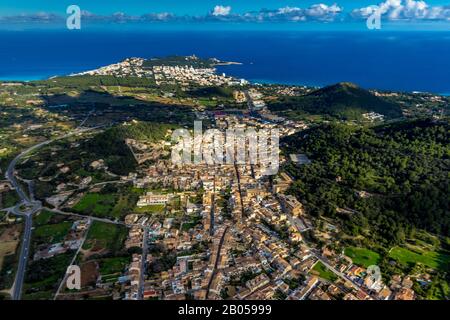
<point x="105" y="220"/>
<point x="324" y="261"/>
<point x="240" y="191"/>
<point x="250" y="104"/>
<point x="30" y="207"/>
<point x="85" y="119"/>
<point x="63" y="281"/>
<point x="24" y="252"/>
<point x="26" y="208"/>
<point x="216" y="262"/>
<point x="143" y="264"/>
<point x="9" y="175"/>
<point x="342" y="275"/>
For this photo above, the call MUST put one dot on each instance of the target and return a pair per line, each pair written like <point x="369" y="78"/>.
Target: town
<point x="230" y="231"/>
<point x="106" y="195"/>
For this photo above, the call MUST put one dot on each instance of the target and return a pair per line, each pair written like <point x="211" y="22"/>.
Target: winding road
<point x="26" y="208"/>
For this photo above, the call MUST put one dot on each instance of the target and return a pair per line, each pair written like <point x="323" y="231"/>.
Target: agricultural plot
<point x="43" y="276"/>
<point x="104" y="238"/>
<point x="362" y="257"/>
<point x="322" y="271"/>
<point x="97" y="204"/>
<point x="438" y="260"/>
<point x="51" y="233"/>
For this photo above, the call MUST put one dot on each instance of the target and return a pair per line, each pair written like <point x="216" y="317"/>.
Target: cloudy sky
<point x="403" y="14"/>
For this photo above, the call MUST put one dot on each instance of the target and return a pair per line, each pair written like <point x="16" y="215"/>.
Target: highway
<point x="9" y="175"/>
<point x="26" y="208"/>
<point x="31" y="207"/>
<point x="24" y="252"/>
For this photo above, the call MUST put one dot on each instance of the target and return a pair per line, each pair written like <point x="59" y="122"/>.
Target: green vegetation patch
<point x="382" y="183"/>
<point x="97" y="204"/>
<point x="342" y="100"/>
<point x="323" y="272"/>
<point x="43" y="218"/>
<point x="105" y="236"/>
<point x="110" y="144"/>
<point x="109" y="266"/>
<point x="44" y="275"/>
<point x="8" y="199"/>
<point x="155" y="208"/>
<point x="438" y="290"/>
<point x="194" y="221"/>
<point x="437" y="260"/>
<point x="51" y="233"/>
<point x="8" y="269"/>
<point x="361" y="256"/>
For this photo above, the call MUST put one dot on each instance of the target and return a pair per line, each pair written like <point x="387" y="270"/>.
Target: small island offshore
<point x="88" y="179"/>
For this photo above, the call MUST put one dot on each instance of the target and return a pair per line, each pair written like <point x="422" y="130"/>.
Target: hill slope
<point x="403" y="168"/>
<point x="110" y="144"/>
<point x="342" y="100"/>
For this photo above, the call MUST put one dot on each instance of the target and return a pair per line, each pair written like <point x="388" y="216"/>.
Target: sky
<point x="180" y="7"/>
<point x="320" y="14"/>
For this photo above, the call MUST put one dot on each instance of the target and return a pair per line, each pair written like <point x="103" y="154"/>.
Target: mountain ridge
<point x="343" y="100"/>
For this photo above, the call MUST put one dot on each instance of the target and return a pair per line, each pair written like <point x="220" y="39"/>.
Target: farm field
<point x="437" y="260"/>
<point x="6" y="249"/>
<point x="9" y="241"/>
<point x="8" y="199"/>
<point x="47" y="273"/>
<point x="362" y="257"/>
<point x="113" y="265"/>
<point x="113" y="205"/>
<point x="9" y="245"/>
<point x="105" y="238"/>
<point x="97" y="204"/>
<point x="322" y="271"/>
<point x="42" y="218"/>
<point x="52" y="233"/>
<point x="156" y="208"/>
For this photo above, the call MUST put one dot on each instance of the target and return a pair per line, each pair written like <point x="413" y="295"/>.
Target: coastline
<point x="298" y="58"/>
<point x="31" y="78"/>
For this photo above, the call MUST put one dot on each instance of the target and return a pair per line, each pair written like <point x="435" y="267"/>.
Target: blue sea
<point x="406" y="61"/>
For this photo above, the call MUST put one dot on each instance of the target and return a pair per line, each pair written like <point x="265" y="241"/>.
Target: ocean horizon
<point x="397" y="61"/>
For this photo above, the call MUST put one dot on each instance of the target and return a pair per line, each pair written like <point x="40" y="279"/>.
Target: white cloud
<point x="405" y="10"/>
<point x="315" y="12"/>
<point x="163" y="16"/>
<point x="320" y="10"/>
<point x="221" y="11"/>
<point x="394" y="10"/>
<point x="288" y="10"/>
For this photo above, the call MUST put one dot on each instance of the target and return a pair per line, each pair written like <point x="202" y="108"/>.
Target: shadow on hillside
<point x="105" y="108"/>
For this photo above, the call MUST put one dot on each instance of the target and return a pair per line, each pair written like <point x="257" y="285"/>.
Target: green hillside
<point x="343" y="100"/>
<point x="110" y="144"/>
<point x="403" y="170"/>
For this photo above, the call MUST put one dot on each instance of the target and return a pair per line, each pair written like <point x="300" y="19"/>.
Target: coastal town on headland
<point x="89" y="181"/>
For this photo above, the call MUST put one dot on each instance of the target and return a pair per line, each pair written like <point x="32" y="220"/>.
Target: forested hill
<point x="404" y="168"/>
<point x="110" y="144"/>
<point x="343" y="100"/>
